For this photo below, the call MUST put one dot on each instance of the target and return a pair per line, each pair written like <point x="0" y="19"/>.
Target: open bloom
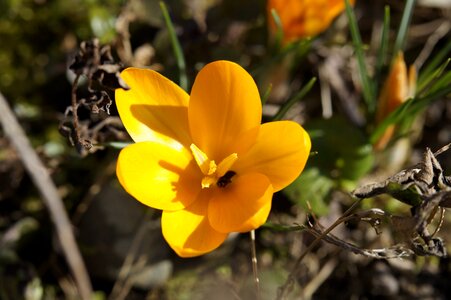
<point x="205" y="159"/>
<point x="399" y="86"/>
<point x="304" y="18"/>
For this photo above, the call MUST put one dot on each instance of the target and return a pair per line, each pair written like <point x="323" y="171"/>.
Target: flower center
<point x="219" y="174"/>
<point x="223" y="181"/>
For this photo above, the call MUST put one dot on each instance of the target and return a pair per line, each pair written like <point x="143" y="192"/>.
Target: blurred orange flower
<point x="205" y="159"/>
<point x="304" y="18"/>
<point x="398" y="87"/>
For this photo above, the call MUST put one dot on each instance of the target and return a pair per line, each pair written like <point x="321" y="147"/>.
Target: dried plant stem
<point x="75" y="107"/>
<point x="438" y="34"/>
<point x="50" y="196"/>
<point x="291" y="277"/>
<point x="128" y="282"/>
<point x="319" y="279"/>
<point x="121" y="288"/>
<point x="326" y="96"/>
<point x="440" y="222"/>
<point x="104" y="175"/>
<point x="254" y="265"/>
<point x="443" y="149"/>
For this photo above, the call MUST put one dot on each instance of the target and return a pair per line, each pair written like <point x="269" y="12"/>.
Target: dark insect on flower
<point x="224" y="180"/>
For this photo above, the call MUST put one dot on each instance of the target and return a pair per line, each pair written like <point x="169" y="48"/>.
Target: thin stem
<point x="254" y="265"/>
<point x="120" y="290"/>
<point x="443" y="149"/>
<point x="301" y="94"/>
<point x="50" y="196"/>
<point x="74" y="108"/>
<point x="266" y="94"/>
<point x="279" y="29"/>
<point x="291" y="277"/>
<point x="431" y="42"/>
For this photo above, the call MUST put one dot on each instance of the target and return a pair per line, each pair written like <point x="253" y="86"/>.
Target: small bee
<point x="224" y="180"/>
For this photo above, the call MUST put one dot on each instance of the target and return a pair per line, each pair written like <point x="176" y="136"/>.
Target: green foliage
<point x="36" y="36"/>
<point x="383" y="48"/>
<point x="344" y="156"/>
<point x="401" y="36"/>
<point x="368" y="88"/>
<point x="432" y="84"/>
<point x="431" y="68"/>
<point x="279" y="29"/>
<point x="299" y="95"/>
<point x="409" y="195"/>
<point x="37" y="39"/>
<point x="405" y="114"/>
<point x="183" y="79"/>
<point x="312" y="187"/>
<point x="344" y="153"/>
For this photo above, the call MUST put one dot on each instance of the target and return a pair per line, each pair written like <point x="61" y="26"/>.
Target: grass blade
<point x="368" y="91"/>
<point x="393" y="118"/>
<point x="436" y="61"/>
<point x="266" y="94"/>
<point x="441" y="82"/>
<point x="404" y="26"/>
<point x="433" y="76"/>
<point x="183" y="78"/>
<point x="301" y="94"/>
<point x="279" y="29"/>
<point x="409" y="110"/>
<point x="299" y="47"/>
<point x="382" y="53"/>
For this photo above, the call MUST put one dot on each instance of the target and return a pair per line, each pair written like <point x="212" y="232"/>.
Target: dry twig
<point x="288" y="285"/>
<point x="254" y="265"/>
<point x="50" y="196"/>
<point x="122" y="286"/>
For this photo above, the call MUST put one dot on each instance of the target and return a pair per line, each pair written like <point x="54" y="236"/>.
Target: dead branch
<point x="50" y="196"/>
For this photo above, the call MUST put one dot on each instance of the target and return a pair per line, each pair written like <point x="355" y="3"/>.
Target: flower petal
<point x="224" y="104"/>
<point x="159" y="176"/>
<point x="280" y="153"/>
<point x="188" y="231"/>
<point x="154" y="109"/>
<point x="303" y="18"/>
<point x="242" y="205"/>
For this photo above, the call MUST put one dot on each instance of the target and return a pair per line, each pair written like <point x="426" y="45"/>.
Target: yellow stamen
<point x="201" y="159"/>
<point x="209" y="168"/>
<point x="226" y="164"/>
<point x="212" y="169"/>
<point x="207" y="181"/>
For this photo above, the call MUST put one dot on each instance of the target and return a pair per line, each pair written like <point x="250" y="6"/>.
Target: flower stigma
<point x="213" y="173"/>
